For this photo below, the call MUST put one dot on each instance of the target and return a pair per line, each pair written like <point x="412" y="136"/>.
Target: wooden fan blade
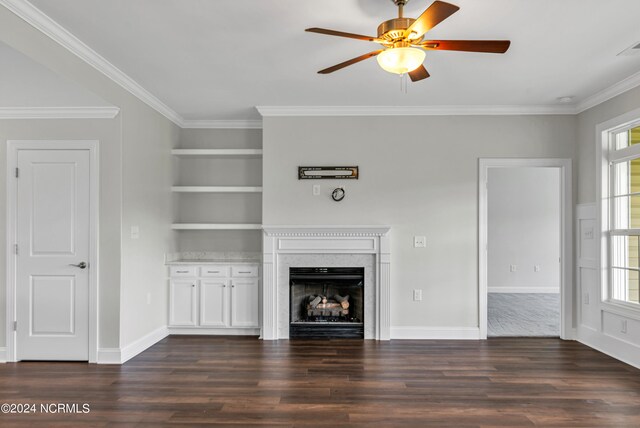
<point x="435" y="14"/>
<point x="418" y="74"/>
<point x="489" y="46"/>
<point x="350" y="62"/>
<point x="341" y="34"/>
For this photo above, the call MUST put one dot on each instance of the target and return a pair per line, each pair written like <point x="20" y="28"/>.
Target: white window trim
<point x="603" y="192"/>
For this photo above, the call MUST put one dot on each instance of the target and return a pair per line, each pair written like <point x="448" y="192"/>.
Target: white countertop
<point x="183" y="262"/>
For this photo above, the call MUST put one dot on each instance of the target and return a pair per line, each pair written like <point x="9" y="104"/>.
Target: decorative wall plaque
<point x="327" y="172"/>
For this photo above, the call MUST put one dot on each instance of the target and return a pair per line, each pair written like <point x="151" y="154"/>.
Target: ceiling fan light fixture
<point x="401" y="60"/>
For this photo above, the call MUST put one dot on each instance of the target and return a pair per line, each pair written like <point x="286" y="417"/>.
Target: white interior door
<point x="52" y="272"/>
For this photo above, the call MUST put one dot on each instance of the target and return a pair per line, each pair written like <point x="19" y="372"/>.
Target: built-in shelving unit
<point x="216" y="226"/>
<point x="217" y="152"/>
<point x="237" y="154"/>
<point x="216" y="189"/>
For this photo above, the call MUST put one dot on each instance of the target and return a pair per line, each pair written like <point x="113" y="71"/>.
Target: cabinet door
<point x="182" y="302"/>
<point x="214" y="303"/>
<point x="244" y="302"/>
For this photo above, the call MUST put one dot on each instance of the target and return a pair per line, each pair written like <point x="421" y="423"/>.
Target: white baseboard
<point x="424" y="333"/>
<point x="133" y="349"/>
<point x="185" y="331"/>
<point x="3" y="355"/>
<point x="552" y="290"/>
<point x="109" y="356"/>
<point x="122" y="355"/>
<point x="618" y="349"/>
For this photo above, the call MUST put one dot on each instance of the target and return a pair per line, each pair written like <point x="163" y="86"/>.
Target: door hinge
<point x="15" y="248"/>
<point x="15" y="326"/>
<point x="17" y="172"/>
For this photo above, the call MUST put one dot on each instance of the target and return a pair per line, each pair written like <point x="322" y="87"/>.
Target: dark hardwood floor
<point x="190" y="381"/>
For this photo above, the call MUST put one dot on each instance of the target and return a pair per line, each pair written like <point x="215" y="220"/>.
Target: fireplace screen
<point x="326" y="302"/>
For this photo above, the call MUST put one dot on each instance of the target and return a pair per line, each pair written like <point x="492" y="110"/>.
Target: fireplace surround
<point x="286" y="247"/>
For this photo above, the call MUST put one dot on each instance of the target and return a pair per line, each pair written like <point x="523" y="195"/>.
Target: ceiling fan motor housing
<point x="393" y="29"/>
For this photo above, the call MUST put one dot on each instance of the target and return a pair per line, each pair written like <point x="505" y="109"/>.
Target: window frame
<point x="610" y="158"/>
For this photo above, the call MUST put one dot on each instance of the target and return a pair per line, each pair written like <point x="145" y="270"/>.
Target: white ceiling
<point x="26" y="83"/>
<point x="218" y="59"/>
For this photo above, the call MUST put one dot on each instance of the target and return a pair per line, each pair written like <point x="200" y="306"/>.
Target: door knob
<point x="81" y="265"/>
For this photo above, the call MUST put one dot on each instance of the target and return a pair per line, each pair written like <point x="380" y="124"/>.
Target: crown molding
<point x="477" y="110"/>
<point x="610" y="92"/>
<point x="221" y="124"/>
<point x="39" y="20"/>
<point x="58" y="112"/>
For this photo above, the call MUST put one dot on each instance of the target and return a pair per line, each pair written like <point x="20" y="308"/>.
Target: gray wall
<point x="524" y="229"/>
<point x="219" y="208"/>
<point x="143" y="171"/>
<point x="419" y="175"/>
<point x="108" y="134"/>
<point x="587" y="122"/>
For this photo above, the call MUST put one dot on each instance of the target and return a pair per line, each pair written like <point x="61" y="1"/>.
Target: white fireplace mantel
<point x="291" y="240"/>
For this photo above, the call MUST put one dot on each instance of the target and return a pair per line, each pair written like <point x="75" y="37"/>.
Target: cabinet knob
<point x="193" y="285"/>
<point x="233" y="286"/>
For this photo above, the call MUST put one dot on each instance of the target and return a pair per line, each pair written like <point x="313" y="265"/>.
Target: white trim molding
<point x="221" y="124"/>
<point x="3" y="355"/>
<point x="435" y="333"/>
<point x="109" y="356"/>
<point x="145" y="342"/>
<point x="443" y="110"/>
<point x="566" y="235"/>
<point x="58" y="112"/>
<point x="612" y="91"/>
<point x="280" y="241"/>
<point x="39" y="20"/>
<point x="13" y="146"/>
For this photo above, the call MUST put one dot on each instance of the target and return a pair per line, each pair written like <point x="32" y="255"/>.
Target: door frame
<point x="13" y="147"/>
<point x="566" y="235"/>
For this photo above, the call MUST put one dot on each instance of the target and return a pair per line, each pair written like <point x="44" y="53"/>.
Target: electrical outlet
<point x="585" y="298"/>
<point x="316" y="190"/>
<point x="623" y="326"/>
<point x="419" y="242"/>
<point x="135" y="232"/>
<point x="588" y="233"/>
<point x="536" y="268"/>
<point x="417" y="295"/>
<point x="513" y="268"/>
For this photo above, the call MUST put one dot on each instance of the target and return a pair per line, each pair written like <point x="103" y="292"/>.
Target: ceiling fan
<point x="404" y="44"/>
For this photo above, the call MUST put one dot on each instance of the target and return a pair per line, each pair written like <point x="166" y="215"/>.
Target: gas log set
<point x="326" y="302"/>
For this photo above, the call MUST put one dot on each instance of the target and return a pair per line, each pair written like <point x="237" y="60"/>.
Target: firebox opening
<point x="326" y="302"/>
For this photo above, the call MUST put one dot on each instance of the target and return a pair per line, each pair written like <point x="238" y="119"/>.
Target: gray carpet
<point x="525" y="314"/>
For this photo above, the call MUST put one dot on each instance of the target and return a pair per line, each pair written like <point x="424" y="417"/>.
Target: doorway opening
<point x="525" y="248"/>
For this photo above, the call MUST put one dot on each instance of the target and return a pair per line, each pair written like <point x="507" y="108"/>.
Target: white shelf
<point x="217" y="152"/>
<point x="216" y="189"/>
<point x="215" y="226"/>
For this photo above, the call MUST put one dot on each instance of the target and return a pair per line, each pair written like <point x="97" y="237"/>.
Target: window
<point x="624" y="215"/>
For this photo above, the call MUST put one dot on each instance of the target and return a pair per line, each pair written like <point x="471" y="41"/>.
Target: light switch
<point x="623" y="326"/>
<point x="135" y="232"/>
<point x="588" y="233"/>
<point x="316" y="190"/>
<point x="417" y="295"/>
<point x="513" y="268"/>
<point x="419" y="242"/>
<point x="536" y="268"/>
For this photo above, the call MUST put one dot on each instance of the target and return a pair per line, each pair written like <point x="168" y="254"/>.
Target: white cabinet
<point x="182" y="309"/>
<point x="244" y="302"/>
<point x="214" y="297"/>
<point x="213" y="303"/>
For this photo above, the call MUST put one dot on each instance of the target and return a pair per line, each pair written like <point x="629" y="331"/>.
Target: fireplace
<point x="286" y="247"/>
<point x="326" y="302"/>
